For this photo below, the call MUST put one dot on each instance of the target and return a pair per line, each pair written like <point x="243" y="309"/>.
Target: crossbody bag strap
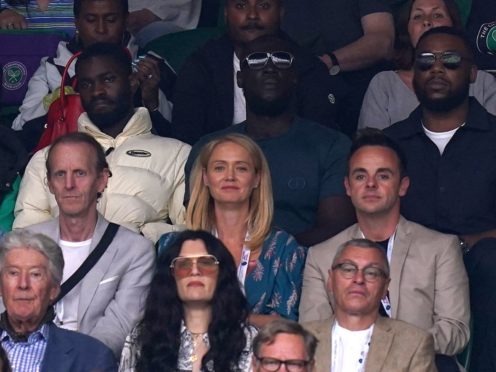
<point x="90" y="261"/>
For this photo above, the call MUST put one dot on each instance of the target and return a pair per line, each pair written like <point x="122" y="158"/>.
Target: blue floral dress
<point x="273" y="285"/>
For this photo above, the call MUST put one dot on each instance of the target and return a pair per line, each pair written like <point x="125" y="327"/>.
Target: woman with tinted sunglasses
<point x="390" y="97"/>
<point x="231" y="196"/>
<point x="195" y="316"/>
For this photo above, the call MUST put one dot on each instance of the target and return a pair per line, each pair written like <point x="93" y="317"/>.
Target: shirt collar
<point x="16" y="337"/>
<point x="41" y="334"/>
<point x="477" y="119"/>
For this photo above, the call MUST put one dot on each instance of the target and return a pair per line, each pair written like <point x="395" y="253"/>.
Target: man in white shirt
<point x="356" y="338"/>
<point x="109" y="299"/>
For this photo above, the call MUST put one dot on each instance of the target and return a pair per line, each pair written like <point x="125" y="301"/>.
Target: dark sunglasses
<point x="258" y="60"/>
<point x="450" y="60"/>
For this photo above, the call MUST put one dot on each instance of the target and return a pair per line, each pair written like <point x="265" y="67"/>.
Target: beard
<point x="271" y="108"/>
<point x="444" y="104"/>
<point x="106" y="119"/>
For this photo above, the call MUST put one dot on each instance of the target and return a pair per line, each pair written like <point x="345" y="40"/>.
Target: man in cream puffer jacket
<point x="146" y="190"/>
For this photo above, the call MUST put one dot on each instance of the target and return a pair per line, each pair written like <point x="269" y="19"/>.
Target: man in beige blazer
<point x="429" y="286"/>
<point x="357" y="338"/>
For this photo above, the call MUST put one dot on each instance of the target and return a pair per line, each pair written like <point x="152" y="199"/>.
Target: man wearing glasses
<point x="284" y="345"/>
<point x="429" y="286"/>
<point x="356" y="337"/>
<point x="307" y="161"/>
<point x="449" y="141"/>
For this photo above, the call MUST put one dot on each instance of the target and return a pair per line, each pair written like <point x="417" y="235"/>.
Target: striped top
<point x="58" y="17"/>
<point x="26" y="356"/>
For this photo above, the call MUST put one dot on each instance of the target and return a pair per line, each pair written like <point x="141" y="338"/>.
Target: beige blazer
<point x="395" y="347"/>
<point x="429" y="285"/>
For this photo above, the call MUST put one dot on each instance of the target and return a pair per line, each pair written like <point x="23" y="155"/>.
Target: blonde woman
<point x="231" y="196"/>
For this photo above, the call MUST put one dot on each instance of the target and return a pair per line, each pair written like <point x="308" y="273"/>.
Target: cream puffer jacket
<point x="146" y="188"/>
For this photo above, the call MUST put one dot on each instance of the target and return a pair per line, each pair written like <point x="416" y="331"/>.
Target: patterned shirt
<point x="58" y="17"/>
<point x="130" y="353"/>
<point x="26" y="356"/>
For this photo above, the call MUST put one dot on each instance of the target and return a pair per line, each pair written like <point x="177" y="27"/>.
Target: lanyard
<point x="386" y="304"/>
<point x="243" y="264"/>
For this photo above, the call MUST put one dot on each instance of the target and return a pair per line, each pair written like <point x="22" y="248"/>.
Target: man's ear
<point x="239" y="79"/>
<point x="404" y="184"/>
<point x="103" y="180"/>
<point x="48" y="183"/>
<point x="473" y="73"/>
<point x="386" y="288"/>
<point x="134" y="83"/>
<point x="54" y="292"/>
<point x="347" y="185"/>
<point x="329" y="282"/>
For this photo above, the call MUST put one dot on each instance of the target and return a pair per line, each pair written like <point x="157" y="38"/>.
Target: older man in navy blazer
<point x="31" y="267"/>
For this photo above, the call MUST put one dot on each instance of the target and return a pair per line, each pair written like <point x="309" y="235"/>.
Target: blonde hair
<point x="200" y="211"/>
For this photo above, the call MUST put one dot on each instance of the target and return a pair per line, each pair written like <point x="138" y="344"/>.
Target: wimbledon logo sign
<point x="14" y="75"/>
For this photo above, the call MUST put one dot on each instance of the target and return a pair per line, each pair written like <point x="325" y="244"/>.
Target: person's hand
<point x="139" y="19"/>
<point x="11" y="20"/>
<point x="148" y="73"/>
<point x="327" y="60"/>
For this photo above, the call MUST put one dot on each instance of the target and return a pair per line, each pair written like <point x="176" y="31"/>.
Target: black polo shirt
<point x="454" y="192"/>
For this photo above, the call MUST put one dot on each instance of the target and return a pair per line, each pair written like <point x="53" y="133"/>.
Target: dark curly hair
<point x="158" y="334"/>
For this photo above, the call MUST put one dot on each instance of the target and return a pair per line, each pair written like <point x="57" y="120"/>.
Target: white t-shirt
<point x="67" y="309"/>
<point x="350" y="348"/>
<point x="239" y="96"/>
<point x="440" y="139"/>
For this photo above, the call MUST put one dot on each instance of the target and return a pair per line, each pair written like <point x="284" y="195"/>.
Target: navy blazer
<point x="69" y="351"/>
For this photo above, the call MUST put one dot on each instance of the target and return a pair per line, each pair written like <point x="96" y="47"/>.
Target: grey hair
<point x="40" y="243"/>
<point x="365" y="244"/>
<point x="268" y="333"/>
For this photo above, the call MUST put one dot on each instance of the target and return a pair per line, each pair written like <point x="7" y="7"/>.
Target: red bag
<point x="62" y="114"/>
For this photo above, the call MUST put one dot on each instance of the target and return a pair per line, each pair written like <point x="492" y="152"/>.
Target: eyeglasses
<point x="273" y="365"/>
<point x="205" y="264"/>
<point x="258" y="60"/>
<point x="450" y="60"/>
<point x="370" y="273"/>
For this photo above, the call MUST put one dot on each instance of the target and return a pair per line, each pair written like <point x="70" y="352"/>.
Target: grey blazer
<point x="395" y="347"/>
<point x="429" y="285"/>
<point x="113" y="293"/>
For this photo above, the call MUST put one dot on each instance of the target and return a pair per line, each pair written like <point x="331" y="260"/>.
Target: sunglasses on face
<point x="348" y="271"/>
<point x="205" y="264"/>
<point x="258" y="60"/>
<point x="450" y="60"/>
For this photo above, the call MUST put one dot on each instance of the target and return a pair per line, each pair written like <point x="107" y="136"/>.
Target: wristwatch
<point x="335" y="68"/>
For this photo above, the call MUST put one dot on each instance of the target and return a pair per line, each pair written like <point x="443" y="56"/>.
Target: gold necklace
<point x="195" y="337"/>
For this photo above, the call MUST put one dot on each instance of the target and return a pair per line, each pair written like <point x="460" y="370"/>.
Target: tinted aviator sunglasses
<point x="450" y="60"/>
<point x="258" y="60"/>
<point x="205" y="264"/>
